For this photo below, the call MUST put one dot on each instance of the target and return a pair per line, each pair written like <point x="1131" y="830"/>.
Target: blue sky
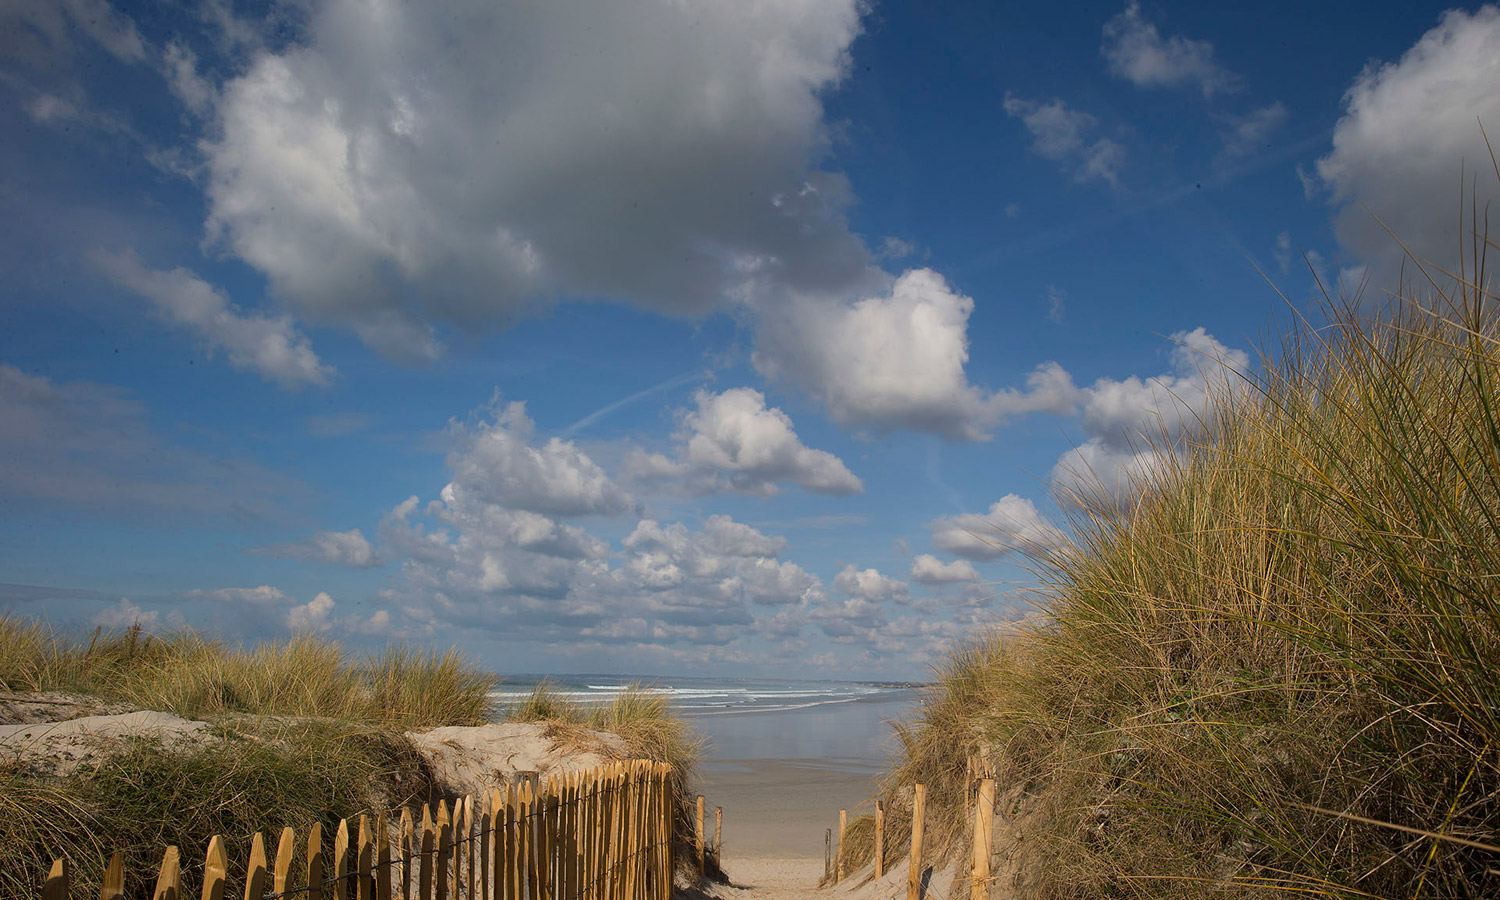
<point x="661" y="337"/>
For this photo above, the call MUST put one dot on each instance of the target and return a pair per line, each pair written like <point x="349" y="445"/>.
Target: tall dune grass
<point x="1275" y="668"/>
<point x="190" y="674"/>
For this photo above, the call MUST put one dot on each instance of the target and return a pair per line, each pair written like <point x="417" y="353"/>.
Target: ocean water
<point x="833" y="722"/>
<point x="782" y="757"/>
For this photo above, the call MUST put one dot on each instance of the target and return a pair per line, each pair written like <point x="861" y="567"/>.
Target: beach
<point x="781" y="758"/>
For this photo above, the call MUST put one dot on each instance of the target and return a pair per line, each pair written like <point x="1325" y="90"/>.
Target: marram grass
<point x="193" y="675"/>
<point x="1274" y="668"/>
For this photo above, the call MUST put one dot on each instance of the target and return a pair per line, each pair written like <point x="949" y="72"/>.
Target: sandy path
<point x="764" y="878"/>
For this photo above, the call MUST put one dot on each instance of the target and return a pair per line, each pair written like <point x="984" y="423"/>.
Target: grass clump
<point x="145" y="796"/>
<point x="1271" y="668"/>
<point x="193" y="675"/>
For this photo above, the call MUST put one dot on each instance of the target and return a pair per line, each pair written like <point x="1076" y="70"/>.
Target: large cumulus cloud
<point x="455" y="160"/>
<point x="1409" y="129"/>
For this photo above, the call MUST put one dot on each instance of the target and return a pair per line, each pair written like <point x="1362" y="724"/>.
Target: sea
<point x="781" y="756"/>
<point x="843" y="722"/>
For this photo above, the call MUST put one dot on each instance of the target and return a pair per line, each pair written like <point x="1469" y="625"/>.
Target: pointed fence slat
<point x="112" y="885"/>
<point x="215" y="869"/>
<point x="255" y="871"/>
<point x="286" y="848"/>
<point x="315" y="861"/>
<point x="169" y="877"/>
<point x="56" y="886"/>
<point x="341" y="861"/>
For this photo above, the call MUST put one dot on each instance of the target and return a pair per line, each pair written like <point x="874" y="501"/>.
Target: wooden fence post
<point x="879" y="838"/>
<point x="169" y="877"/>
<point x="215" y="869"/>
<point x="56" y="886"/>
<point x="285" y="848"/>
<point x="383" y="867"/>
<point x="255" y="872"/>
<point x="409" y="844"/>
<point x="984" y="823"/>
<point x="315" y="861"/>
<point x="341" y="861"/>
<point x="827" y="852"/>
<point x="425" y="863"/>
<point x="699" y="848"/>
<point x="719" y="833"/>
<point x="918" y="812"/>
<point x="444" y="851"/>
<point x="838" y="864"/>
<point x="112" y="885"/>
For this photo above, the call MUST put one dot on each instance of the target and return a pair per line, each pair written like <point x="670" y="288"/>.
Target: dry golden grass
<point x="1272" y="667"/>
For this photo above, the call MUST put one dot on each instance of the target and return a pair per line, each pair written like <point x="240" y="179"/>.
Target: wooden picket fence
<point x="600" y="835"/>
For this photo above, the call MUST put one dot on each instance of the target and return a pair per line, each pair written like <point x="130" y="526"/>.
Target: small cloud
<point x="342" y="548"/>
<point x="270" y="347"/>
<point x="895" y="248"/>
<point x="1284" y="252"/>
<point x="125" y="614"/>
<point x="734" y="442"/>
<point x="1063" y="135"/>
<point x="1137" y="52"/>
<point x="314" y="615"/>
<point x="1056" y="298"/>
<point x="1243" y="135"/>
<point x="1012" y="525"/>
<point x="928" y="569"/>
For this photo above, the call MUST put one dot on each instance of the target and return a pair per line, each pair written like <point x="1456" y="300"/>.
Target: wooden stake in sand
<point x="918" y="812"/>
<point x="984" y="826"/>
<point x="719" y="833"/>
<point x="879" y="838"/>
<point x="701" y="863"/>
<point x="827" y="852"/>
<point x="838" y="865"/>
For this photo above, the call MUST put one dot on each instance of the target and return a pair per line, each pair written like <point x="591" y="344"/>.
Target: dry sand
<point x="472" y="760"/>
<point x="781" y="808"/>
<point x="783" y="878"/>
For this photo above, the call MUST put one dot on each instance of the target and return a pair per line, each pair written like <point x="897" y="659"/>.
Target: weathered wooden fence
<point x="600" y="835"/>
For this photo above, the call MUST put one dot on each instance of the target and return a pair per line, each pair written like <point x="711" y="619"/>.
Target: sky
<point x="660" y="336"/>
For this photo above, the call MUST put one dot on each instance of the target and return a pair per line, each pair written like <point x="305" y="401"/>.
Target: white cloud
<point x="1243" y="135"/>
<point x="125" y="614"/>
<point x="1137" y="52"/>
<point x="928" y="569"/>
<point x="649" y="152"/>
<point x="732" y="441"/>
<point x="1284" y="252"/>
<point x="314" y="615"/>
<point x="180" y="66"/>
<point x="897" y="361"/>
<point x="271" y="347"/>
<point x="1064" y="136"/>
<point x="1012" y="525"/>
<point x="495" y="462"/>
<point x="342" y="548"/>
<point x="1135" y="424"/>
<point x="37" y="31"/>
<point x="1408" y="130"/>
<point x="869" y="584"/>
<point x="265" y="595"/>
<point x="1057" y="298"/>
